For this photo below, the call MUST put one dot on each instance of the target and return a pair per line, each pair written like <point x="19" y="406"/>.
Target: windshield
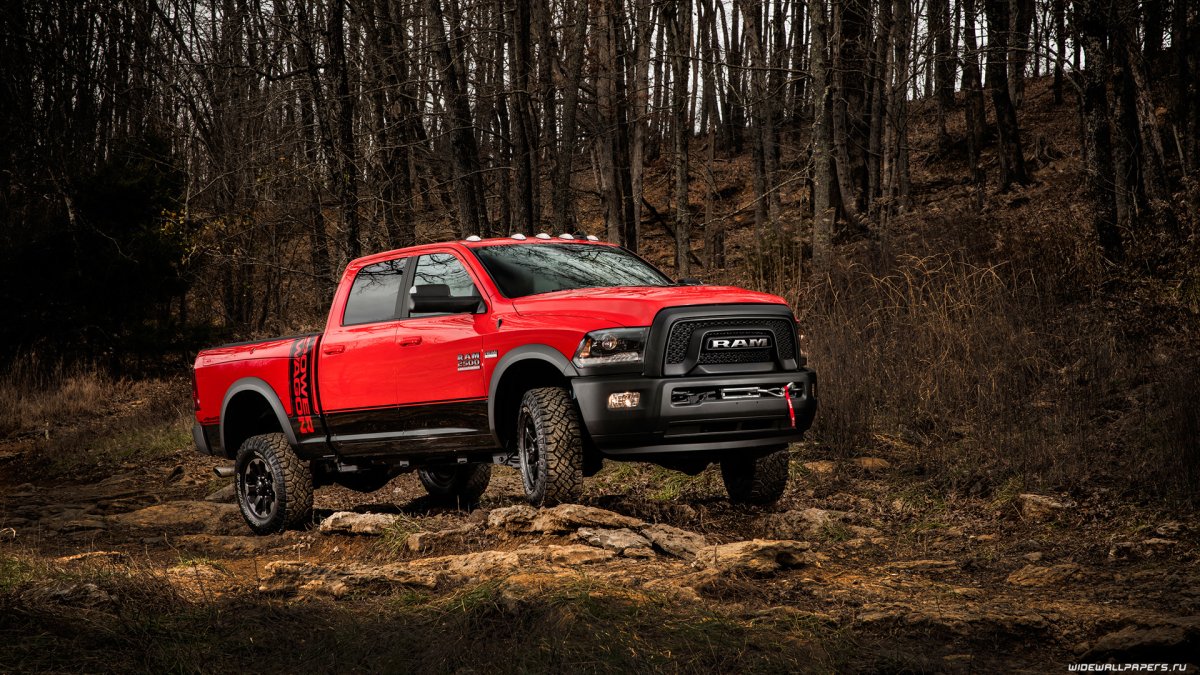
<point x="529" y="269"/>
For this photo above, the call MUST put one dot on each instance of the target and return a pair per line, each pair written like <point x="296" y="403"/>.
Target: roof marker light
<point x="519" y="237"/>
<point x="474" y="237"/>
<point x="566" y="235"/>
<point x="542" y="235"/>
<point x="592" y="237"/>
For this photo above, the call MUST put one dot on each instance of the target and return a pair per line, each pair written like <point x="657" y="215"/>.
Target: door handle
<point x="410" y="341"/>
<point x="334" y="349"/>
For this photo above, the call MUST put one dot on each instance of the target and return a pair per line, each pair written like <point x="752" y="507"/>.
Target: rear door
<point x="359" y="360"/>
<point x="442" y="393"/>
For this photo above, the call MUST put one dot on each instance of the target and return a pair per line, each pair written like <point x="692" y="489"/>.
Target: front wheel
<point x="464" y="483"/>
<point x="550" y="446"/>
<point x="760" y="480"/>
<point x="274" y="486"/>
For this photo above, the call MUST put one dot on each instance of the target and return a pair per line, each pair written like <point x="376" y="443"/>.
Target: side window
<point x="445" y="274"/>
<point x="375" y="292"/>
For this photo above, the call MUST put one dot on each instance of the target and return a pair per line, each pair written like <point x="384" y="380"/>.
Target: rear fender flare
<point x="264" y="390"/>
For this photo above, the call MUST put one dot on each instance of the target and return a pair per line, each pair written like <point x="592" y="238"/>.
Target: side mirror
<point x="690" y="281"/>
<point x="436" y="299"/>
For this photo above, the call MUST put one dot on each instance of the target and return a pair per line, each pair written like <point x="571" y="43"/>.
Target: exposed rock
<point x="426" y="541"/>
<point x="922" y="565"/>
<point x="1160" y="545"/>
<point x="674" y="541"/>
<point x="483" y="564"/>
<point x="185" y="515"/>
<point x="226" y="495"/>
<point x="1121" y="550"/>
<point x="757" y="556"/>
<point x="623" y="541"/>
<point x="226" y="543"/>
<point x="821" y="467"/>
<point x="175" y="474"/>
<point x="94" y="556"/>
<point x="1133" y="642"/>
<point x="569" y="517"/>
<point x="196" y="572"/>
<point x="871" y="464"/>
<point x="492" y="563"/>
<point x="346" y="522"/>
<point x="1034" y="575"/>
<point x="577" y="554"/>
<point x="972" y="622"/>
<point x="81" y="595"/>
<point x="511" y="518"/>
<point x="556" y="520"/>
<point x="806" y="523"/>
<point x="1169" y="529"/>
<point x="1035" y="556"/>
<point x="1040" y="507"/>
<point x="301" y="577"/>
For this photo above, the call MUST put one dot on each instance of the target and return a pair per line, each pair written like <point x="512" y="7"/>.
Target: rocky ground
<point x="856" y="569"/>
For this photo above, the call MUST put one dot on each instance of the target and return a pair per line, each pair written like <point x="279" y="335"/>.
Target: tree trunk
<point x="943" y="67"/>
<point x="563" y="214"/>
<point x="524" y="127"/>
<point x="976" y="113"/>
<point x="1012" y="158"/>
<point x="347" y="170"/>
<point x="464" y="149"/>
<point x="822" y="177"/>
<point x="1060" y="36"/>
<point x="1020" y="19"/>
<point x="680" y="27"/>
<point x="1098" y="150"/>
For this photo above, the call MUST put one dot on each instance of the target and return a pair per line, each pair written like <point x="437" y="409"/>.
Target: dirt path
<point x="848" y="572"/>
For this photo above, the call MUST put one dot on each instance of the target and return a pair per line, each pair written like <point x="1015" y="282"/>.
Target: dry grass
<point x="37" y="395"/>
<point x="82" y="422"/>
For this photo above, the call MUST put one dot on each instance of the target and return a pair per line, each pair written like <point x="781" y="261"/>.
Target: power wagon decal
<point x="301" y="370"/>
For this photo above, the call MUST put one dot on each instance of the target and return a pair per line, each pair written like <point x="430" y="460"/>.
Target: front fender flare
<point x="534" y="352"/>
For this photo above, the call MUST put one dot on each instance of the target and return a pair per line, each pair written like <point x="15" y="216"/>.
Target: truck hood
<point x="636" y="306"/>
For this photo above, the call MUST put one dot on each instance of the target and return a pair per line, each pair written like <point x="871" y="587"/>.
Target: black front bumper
<point x="663" y="423"/>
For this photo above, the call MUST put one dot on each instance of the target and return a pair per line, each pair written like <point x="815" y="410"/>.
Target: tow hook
<point x="223" y="471"/>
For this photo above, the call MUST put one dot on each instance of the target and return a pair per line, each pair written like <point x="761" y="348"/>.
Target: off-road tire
<point x="463" y="484"/>
<point x="268" y="463"/>
<point x="550" y="446"/>
<point x="760" y="480"/>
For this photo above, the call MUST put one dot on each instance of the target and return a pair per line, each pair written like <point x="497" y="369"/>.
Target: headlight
<point x="611" y="345"/>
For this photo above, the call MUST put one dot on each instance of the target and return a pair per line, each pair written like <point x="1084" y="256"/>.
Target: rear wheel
<point x="550" y="446"/>
<point x="464" y="483"/>
<point x="760" y="480"/>
<point x="274" y="486"/>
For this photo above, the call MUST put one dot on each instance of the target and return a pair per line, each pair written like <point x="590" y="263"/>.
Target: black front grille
<point x="735" y="355"/>
<point x="680" y="338"/>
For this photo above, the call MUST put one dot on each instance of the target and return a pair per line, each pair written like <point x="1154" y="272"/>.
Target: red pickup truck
<point x="545" y="354"/>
